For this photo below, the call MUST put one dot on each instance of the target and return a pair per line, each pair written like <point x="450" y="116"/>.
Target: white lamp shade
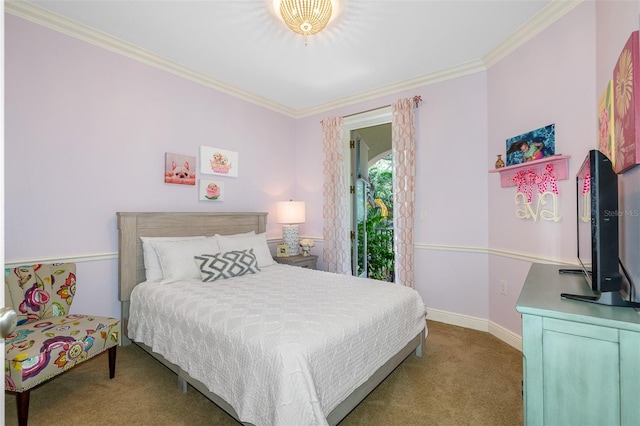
<point x="290" y="212"/>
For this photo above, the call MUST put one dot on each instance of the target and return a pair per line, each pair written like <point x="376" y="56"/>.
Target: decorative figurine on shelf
<point x="306" y="245"/>
<point x="499" y="162"/>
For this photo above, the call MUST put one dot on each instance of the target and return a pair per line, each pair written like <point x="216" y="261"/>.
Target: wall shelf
<point x="560" y="169"/>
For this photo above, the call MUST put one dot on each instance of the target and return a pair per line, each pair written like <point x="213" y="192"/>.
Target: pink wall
<point x="86" y="131"/>
<point x="461" y="126"/>
<point x="451" y="140"/>
<point x="550" y="79"/>
<point x="557" y="77"/>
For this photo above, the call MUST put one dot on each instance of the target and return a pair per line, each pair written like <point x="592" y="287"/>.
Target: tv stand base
<point x="609" y="298"/>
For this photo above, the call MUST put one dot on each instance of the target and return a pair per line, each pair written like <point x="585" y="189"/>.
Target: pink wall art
<point x="211" y="190"/>
<point x="180" y="169"/>
<point x="606" y="124"/>
<point x="626" y="109"/>
<point x="216" y="161"/>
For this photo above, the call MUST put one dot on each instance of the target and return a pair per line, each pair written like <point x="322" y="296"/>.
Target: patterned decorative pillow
<point x="226" y="265"/>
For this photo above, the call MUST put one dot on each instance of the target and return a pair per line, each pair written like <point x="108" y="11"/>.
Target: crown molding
<point x="72" y="28"/>
<point x="555" y="10"/>
<point x="20" y="8"/>
<point x="471" y="67"/>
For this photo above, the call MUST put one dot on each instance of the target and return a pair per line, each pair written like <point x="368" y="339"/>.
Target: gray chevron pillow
<point x="226" y="265"/>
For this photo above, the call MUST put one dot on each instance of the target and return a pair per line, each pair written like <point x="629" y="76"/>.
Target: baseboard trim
<point x="507" y="336"/>
<point x="476" y="323"/>
<point x="460" y="320"/>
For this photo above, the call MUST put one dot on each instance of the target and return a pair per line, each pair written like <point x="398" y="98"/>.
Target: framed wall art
<point x="606" y="124"/>
<point x="216" y="161"/>
<point x="211" y="190"/>
<point x="179" y="169"/>
<point x="531" y="146"/>
<point x="282" y="250"/>
<point x="626" y="106"/>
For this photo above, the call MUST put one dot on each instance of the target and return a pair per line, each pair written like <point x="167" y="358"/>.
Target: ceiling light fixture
<point x="306" y="17"/>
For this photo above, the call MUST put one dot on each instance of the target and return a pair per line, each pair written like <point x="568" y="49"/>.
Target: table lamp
<point x="290" y="213"/>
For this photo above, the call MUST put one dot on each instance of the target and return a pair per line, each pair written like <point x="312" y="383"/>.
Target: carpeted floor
<point x="465" y="377"/>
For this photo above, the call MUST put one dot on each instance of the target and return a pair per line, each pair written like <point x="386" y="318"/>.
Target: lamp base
<point x="290" y="236"/>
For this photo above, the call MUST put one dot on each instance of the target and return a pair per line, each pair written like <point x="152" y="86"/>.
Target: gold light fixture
<point x="306" y="17"/>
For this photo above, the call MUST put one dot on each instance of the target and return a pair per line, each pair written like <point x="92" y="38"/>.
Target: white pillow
<point x="176" y="257"/>
<point x="153" y="272"/>
<point x="257" y="242"/>
<point x="240" y="235"/>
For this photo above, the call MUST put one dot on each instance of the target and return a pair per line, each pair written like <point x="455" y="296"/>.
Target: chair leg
<point x="22" y="400"/>
<point x="112" y="361"/>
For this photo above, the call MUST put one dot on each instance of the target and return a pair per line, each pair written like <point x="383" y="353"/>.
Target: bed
<point x="284" y="345"/>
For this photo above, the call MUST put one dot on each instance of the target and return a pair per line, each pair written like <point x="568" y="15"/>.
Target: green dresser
<point x="581" y="360"/>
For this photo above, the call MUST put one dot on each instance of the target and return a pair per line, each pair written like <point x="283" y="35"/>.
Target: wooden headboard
<point x="132" y="226"/>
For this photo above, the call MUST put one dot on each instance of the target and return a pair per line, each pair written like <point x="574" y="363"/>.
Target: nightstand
<point x="309" y="262"/>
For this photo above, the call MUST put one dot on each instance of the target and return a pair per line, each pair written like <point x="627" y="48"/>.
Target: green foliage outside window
<point x="379" y="226"/>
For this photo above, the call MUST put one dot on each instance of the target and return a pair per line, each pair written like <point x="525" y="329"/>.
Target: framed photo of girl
<point x="531" y="146"/>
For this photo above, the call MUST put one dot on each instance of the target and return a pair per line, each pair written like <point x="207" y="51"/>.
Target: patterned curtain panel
<point x="336" y="252"/>
<point x="404" y="160"/>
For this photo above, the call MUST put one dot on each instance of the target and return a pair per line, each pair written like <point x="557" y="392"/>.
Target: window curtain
<point x="403" y="153"/>
<point x="336" y="254"/>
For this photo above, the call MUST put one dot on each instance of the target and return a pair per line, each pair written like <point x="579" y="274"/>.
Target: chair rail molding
<point x="527" y="257"/>
<point x="62" y="259"/>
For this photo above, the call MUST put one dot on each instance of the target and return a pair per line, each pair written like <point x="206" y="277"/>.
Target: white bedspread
<point x="284" y="346"/>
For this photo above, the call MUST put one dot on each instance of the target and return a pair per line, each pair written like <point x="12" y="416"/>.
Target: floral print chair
<point x="48" y="340"/>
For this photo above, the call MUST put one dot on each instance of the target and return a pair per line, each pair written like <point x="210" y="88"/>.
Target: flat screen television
<point x="598" y="232"/>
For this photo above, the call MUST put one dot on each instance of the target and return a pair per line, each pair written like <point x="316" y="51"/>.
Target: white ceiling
<point x="370" y="48"/>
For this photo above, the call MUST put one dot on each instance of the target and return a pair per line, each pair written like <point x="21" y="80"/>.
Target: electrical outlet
<point x="503" y="287"/>
<point x="423" y="216"/>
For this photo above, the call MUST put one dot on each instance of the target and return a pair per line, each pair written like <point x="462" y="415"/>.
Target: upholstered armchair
<point x="47" y="340"/>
